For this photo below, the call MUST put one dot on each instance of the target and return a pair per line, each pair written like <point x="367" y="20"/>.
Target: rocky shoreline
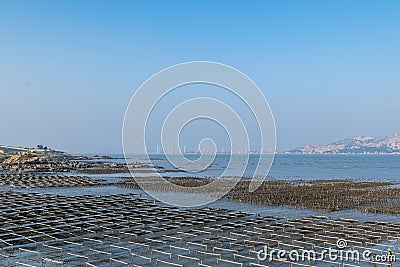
<point x="39" y="160"/>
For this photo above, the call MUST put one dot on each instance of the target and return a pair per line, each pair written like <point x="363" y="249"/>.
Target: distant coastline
<point x="358" y="145"/>
<point x="362" y="145"/>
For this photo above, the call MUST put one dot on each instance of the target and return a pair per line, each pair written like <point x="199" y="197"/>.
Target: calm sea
<point x="285" y="166"/>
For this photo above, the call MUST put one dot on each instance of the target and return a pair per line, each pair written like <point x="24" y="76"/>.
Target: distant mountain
<point x="357" y="145"/>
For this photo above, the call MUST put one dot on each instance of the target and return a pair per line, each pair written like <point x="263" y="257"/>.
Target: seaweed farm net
<point x="43" y="181"/>
<point x="126" y="230"/>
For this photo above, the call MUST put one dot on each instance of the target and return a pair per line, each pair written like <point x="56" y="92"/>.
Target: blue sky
<point x="329" y="69"/>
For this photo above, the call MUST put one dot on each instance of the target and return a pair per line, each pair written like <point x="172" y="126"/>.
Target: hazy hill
<point x="357" y="145"/>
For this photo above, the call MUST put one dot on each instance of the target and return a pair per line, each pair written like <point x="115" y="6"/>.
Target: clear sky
<point x="329" y="69"/>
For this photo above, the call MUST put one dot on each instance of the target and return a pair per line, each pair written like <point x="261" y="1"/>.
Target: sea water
<point x="368" y="167"/>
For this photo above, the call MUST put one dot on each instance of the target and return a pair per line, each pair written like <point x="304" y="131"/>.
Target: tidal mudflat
<point x="82" y="218"/>
<point x="128" y="230"/>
